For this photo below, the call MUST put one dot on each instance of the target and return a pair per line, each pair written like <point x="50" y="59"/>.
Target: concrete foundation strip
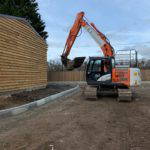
<point x="20" y="109"/>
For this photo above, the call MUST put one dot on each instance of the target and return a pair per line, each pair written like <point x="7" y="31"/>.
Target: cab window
<point x="97" y="65"/>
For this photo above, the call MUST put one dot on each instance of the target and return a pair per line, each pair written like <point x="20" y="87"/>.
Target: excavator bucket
<point x="72" y="64"/>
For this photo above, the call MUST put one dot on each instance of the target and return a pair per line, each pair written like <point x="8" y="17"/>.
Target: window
<point x="90" y="65"/>
<point x="97" y="65"/>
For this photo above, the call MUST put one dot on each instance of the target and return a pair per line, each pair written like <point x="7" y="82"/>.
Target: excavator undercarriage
<point x="121" y="95"/>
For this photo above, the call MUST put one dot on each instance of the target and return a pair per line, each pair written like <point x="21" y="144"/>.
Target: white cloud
<point x="126" y="24"/>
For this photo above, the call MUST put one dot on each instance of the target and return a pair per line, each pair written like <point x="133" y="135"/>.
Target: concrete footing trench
<point x="36" y="103"/>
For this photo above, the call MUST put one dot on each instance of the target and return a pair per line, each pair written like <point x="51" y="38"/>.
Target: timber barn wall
<point x="23" y="56"/>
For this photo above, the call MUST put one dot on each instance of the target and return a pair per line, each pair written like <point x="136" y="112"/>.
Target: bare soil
<point x="30" y="96"/>
<point x="75" y="123"/>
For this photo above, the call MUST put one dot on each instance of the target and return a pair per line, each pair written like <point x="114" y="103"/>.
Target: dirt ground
<point x="30" y="96"/>
<point x="77" y="124"/>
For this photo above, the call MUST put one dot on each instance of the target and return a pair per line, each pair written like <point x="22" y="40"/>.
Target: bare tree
<point x="54" y="65"/>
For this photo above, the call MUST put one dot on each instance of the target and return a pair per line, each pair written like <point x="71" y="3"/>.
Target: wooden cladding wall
<point x="80" y="76"/>
<point x="66" y="76"/>
<point x="23" y="52"/>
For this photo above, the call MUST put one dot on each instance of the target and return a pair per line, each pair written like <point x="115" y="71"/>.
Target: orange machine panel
<point x="121" y="75"/>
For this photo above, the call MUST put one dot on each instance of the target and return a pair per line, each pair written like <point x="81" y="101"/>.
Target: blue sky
<point x="126" y="23"/>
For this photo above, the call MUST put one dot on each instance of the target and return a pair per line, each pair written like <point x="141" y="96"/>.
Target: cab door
<point x="93" y="72"/>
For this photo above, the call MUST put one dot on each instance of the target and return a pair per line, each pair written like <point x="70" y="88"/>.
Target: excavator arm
<point x="78" y="61"/>
<point x="98" y="37"/>
<point x="73" y="34"/>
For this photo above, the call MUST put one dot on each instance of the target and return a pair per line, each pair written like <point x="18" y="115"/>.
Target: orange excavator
<point x="114" y="73"/>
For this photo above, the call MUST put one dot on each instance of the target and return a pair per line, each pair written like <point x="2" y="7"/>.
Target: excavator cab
<point x="99" y="70"/>
<point x="72" y="64"/>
